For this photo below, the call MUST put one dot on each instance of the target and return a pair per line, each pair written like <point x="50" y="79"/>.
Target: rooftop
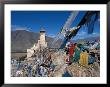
<point x="42" y="30"/>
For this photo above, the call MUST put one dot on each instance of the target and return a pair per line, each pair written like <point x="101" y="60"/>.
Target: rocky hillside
<point x="75" y="69"/>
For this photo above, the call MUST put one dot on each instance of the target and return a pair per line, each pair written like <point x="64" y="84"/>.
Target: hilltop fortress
<point x="38" y="46"/>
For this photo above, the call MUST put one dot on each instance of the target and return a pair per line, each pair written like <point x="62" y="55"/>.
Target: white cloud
<point x="15" y="27"/>
<point x="50" y="35"/>
<point x="82" y="33"/>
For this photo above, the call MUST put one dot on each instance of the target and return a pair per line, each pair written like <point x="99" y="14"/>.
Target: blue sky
<point x="51" y="21"/>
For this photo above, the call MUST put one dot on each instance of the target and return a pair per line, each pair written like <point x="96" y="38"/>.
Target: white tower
<point x="38" y="46"/>
<point x="42" y="37"/>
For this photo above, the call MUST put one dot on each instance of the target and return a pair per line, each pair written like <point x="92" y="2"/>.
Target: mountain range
<point x="21" y="40"/>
